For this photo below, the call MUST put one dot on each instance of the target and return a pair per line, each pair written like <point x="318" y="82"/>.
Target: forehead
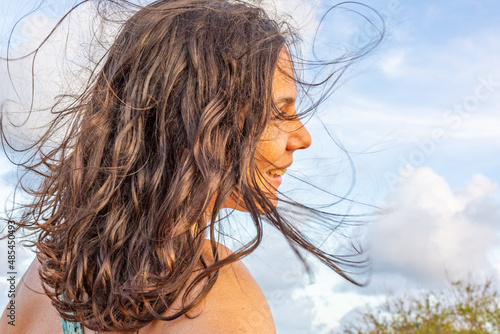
<point x="284" y="87"/>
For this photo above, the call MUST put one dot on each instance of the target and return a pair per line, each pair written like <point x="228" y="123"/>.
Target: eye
<point x="281" y="111"/>
<point x="280" y="116"/>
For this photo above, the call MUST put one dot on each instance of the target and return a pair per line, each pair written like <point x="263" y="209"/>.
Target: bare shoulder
<point x="33" y="309"/>
<point x="235" y="304"/>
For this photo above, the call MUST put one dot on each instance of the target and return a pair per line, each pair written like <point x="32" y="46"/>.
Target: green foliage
<point x="463" y="308"/>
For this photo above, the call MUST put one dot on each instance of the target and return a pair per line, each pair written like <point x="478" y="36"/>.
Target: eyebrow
<point x="286" y="100"/>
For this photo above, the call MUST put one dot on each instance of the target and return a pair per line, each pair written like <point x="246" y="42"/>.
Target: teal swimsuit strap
<point x="71" y="327"/>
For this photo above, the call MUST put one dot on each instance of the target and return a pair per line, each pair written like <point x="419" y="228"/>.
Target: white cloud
<point x="435" y="233"/>
<point x="60" y="65"/>
<point x="301" y="15"/>
<point x="393" y="62"/>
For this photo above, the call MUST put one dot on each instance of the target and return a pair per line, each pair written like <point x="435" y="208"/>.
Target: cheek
<point x="271" y="148"/>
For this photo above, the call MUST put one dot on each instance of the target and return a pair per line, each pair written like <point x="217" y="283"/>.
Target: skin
<point x="236" y="303"/>
<point x="281" y="138"/>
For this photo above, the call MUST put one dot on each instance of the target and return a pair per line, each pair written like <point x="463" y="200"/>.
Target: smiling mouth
<point x="276" y="172"/>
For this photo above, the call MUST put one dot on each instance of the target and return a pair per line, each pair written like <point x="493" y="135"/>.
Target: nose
<point x="299" y="138"/>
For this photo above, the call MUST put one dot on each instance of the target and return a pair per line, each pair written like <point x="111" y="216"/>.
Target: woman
<point x="192" y="111"/>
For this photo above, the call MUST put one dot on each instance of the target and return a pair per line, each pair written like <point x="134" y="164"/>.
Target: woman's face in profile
<point x="281" y="137"/>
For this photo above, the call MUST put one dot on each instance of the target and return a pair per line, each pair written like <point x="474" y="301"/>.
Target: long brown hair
<point x="165" y="132"/>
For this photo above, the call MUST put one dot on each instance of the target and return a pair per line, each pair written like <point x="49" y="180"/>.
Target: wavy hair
<point x="163" y="135"/>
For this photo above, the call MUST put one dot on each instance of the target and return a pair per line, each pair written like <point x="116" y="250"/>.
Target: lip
<point x="276" y="180"/>
<point x="281" y="167"/>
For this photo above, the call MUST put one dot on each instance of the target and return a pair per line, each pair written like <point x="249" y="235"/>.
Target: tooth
<point x="277" y="172"/>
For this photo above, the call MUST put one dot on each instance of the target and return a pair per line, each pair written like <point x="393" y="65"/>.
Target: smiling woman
<point x="182" y="118"/>
<point x="281" y="137"/>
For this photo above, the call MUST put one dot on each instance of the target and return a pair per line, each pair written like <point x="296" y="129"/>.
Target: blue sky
<point x="420" y="117"/>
